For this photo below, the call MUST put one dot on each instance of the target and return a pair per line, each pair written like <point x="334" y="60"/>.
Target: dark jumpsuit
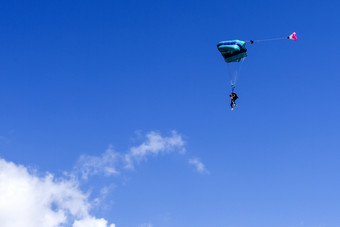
<point x="233" y="98"/>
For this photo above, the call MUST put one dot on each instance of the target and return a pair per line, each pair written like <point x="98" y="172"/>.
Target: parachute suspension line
<point x="232" y="86"/>
<point x="232" y="72"/>
<point x="238" y="70"/>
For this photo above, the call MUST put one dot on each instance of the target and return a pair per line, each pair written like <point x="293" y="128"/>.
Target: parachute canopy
<point x="293" y="36"/>
<point x="232" y="50"/>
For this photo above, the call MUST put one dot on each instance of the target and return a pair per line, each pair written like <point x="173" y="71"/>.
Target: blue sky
<point x="84" y="82"/>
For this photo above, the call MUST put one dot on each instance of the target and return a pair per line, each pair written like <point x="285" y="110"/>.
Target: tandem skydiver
<point x="233" y="96"/>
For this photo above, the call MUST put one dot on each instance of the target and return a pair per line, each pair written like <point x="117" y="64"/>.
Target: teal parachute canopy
<point x="232" y="50"/>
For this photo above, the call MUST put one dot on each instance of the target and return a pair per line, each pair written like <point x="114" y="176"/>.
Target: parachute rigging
<point x="292" y="37"/>
<point x="235" y="51"/>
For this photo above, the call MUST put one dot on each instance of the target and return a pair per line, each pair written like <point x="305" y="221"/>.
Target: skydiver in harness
<point x="233" y="96"/>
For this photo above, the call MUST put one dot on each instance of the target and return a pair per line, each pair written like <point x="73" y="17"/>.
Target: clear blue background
<point x="76" y="76"/>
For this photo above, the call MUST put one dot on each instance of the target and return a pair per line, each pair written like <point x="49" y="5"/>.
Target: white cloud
<point x="92" y="165"/>
<point x="32" y="201"/>
<point x="92" y="222"/>
<point x="199" y="165"/>
<point x="101" y="200"/>
<point x="145" y="225"/>
<point x="155" y="144"/>
<point x="112" y="163"/>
